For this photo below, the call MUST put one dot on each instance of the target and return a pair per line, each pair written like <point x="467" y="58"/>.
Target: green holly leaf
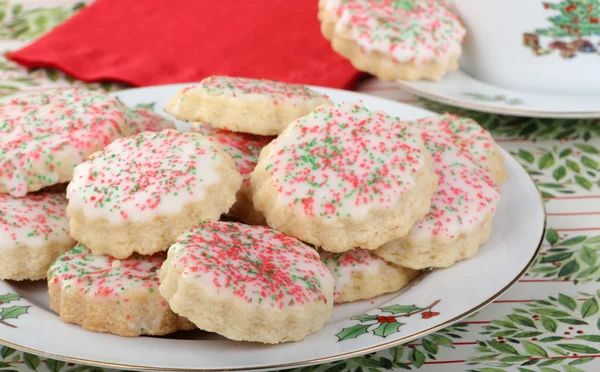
<point x="13" y="312"/>
<point x="54" y="365"/>
<point x="31" y="361"/>
<point x="527" y="156"/>
<point x="551" y="339"/>
<point x="9" y="297"/>
<point x="534" y="349"/>
<point x="573" y="166"/>
<point x="550" y="312"/>
<point x="567" y="301"/>
<point x="387" y="328"/>
<point x="589" y="149"/>
<point x="6" y="351"/>
<point x="430" y="347"/>
<point x="591" y="338"/>
<point x="572" y="321"/>
<point x="353" y="332"/>
<point x="519" y="319"/>
<point x="569" y="268"/>
<point x="588" y="255"/>
<point x="503" y="347"/>
<point x="17" y="9"/>
<point x="573" y="241"/>
<point x="588" y="162"/>
<point x="416" y="357"/>
<point x="400" y="309"/>
<point x="546" y="161"/>
<point x="559" y="173"/>
<point x="527" y="334"/>
<point x="577" y="348"/>
<point x="4" y="365"/>
<point x="595" y="239"/>
<point x="549" y="324"/>
<point x="589" y="307"/>
<point x="489" y="369"/>
<point x="364" y="317"/>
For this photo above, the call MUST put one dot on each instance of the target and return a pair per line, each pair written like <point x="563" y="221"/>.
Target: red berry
<point x="579" y="332"/>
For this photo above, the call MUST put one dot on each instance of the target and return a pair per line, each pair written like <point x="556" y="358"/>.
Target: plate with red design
<point x="434" y="300"/>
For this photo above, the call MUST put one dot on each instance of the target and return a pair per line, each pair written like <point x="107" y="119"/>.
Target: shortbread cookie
<point x="472" y="138"/>
<point x="103" y="294"/>
<point x="344" y="177"/>
<point x="247" y="283"/>
<point x="43" y="136"/>
<point x="360" y="275"/>
<point x="140" y="192"/>
<point x="33" y="232"/>
<point x="263" y="107"/>
<point x="462" y="210"/>
<point x="409" y="40"/>
<point x="244" y="149"/>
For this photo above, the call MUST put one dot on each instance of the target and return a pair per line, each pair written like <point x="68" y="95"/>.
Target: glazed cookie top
<point x="54" y="129"/>
<point x="104" y="277"/>
<point x="343" y="161"/>
<point x="465" y="132"/>
<point x="410" y="31"/>
<point x="344" y="266"/>
<point x="33" y="221"/>
<point x="465" y="196"/>
<point x="244" y="88"/>
<point x="143" y="119"/>
<point x="152" y="174"/>
<point x="255" y="264"/>
<point x="242" y="147"/>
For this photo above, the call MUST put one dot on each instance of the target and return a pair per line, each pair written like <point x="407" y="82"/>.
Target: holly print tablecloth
<point x="549" y="321"/>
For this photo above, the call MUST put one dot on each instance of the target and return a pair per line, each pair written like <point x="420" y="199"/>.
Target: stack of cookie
<point x="379" y="198"/>
<point x="156" y="191"/>
<point x="337" y="203"/>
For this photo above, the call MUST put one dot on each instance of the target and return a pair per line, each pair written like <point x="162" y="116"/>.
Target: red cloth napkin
<point x="153" y="42"/>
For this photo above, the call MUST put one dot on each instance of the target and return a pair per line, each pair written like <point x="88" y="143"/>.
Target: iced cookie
<point x="244" y="149"/>
<point x="43" y="136"/>
<point x="103" y="294"/>
<point x="360" y="275"/>
<point x="344" y="177"/>
<point x="140" y="192"/>
<point x="409" y="40"/>
<point x="33" y="232"/>
<point x="461" y="214"/>
<point x="247" y="283"/>
<point x="472" y="138"/>
<point x="143" y="119"/>
<point x="263" y="107"/>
